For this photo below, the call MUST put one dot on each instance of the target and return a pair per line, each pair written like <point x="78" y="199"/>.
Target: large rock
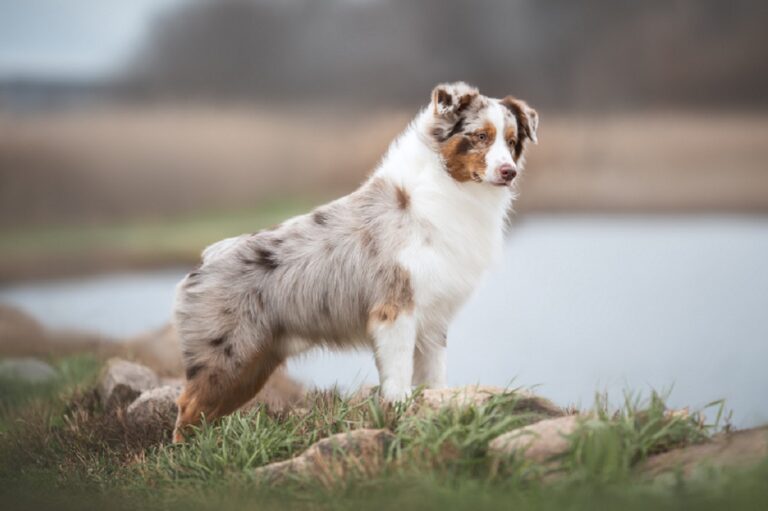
<point x="740" y="449"/>
<point x="539" y="442"/>
<point x="17" y="328"/>
<point x="476" y="395"/>
<point x="280" y="393"/>
<point x="123" y="381"/>
<point x="362" y="393"/>
<point x="158" y="349"/>
<point x="155" y="409"/>
<point x="157" y="406"/>
<point x="30" y="370"/>
<point x="360" y="453"/>
<point x="23" y="336"/>
<point x="161" y="350"/>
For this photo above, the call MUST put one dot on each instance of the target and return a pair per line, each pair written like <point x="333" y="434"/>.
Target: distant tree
<point x="586" y="54"/>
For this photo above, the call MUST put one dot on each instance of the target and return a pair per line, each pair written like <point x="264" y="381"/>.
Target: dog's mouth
<point x="503" y="182"/>
<point x="503" y="179"/>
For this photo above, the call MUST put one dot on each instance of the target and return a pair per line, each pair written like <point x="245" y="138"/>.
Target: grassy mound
<point x="59" y="447"/>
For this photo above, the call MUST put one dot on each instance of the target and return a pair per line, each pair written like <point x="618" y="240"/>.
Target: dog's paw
<point x="394" y="393"/>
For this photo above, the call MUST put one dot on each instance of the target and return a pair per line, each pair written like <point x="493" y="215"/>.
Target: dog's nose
<point x="507" y="172"/>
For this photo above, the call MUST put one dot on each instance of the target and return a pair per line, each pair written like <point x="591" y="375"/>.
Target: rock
<point x="471" y="395"/>
<point x="362" y="393"/>
<point x="361" y="452"/>
<point x="30" y="370"/>
<point x="173" y="382"/>
<point x="280" y="393"/>
<point x="740" y="449"/>
<point x="158" y="349"/>
<point x="17" y="328"/>
<point x="476" y="395"/>
<point x="155" y="408"/>
<point x="161" y="351"/>
<point x="538" y="442"/>
<point x="123" y="381"/>
<point x="23" y="336"/>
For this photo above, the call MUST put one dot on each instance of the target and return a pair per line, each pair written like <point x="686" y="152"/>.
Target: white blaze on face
<point x="499" y="153"/>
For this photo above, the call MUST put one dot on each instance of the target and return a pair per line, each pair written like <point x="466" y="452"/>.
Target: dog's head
<point x="480" y="139"/>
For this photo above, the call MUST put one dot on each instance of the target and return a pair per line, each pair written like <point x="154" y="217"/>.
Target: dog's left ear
<point x="527" y="117"/>
<point x="450" y="100"/>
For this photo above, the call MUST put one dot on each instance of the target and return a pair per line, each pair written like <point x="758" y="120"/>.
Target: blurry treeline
<point x="587" y="54"/>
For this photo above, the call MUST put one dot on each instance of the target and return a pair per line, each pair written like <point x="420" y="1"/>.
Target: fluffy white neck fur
<point x="463" y="214"/>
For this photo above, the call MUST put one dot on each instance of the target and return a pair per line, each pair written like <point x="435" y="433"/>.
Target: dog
<point x="385" y="267"/>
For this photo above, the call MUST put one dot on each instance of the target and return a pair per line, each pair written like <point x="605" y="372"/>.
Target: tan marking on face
<point x="526" y="119"/>
<point x="464" y="153"/>
<point x="510" y="136"/>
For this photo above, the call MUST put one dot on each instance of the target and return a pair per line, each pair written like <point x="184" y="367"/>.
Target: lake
<point x="580" y="304"/>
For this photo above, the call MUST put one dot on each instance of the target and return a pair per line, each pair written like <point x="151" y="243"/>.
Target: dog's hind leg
<point x="213" y="391"/>
<point x="229" y="349"/>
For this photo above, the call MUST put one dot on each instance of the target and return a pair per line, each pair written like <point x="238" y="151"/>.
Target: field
<point x="113" y="188"/>
<point x="69" y="249"/>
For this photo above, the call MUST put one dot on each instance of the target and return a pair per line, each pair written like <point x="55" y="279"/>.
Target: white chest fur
<point x="451" y="245"/>
<point x="456" y="231"/>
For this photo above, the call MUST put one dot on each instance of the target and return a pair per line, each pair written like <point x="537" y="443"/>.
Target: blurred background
<point x="134" y="133"/>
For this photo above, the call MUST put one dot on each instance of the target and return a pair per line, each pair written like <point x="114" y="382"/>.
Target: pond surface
<point x="580" y="304"/>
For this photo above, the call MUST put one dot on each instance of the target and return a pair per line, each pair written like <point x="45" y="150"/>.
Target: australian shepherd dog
<point x="385" y="267"/>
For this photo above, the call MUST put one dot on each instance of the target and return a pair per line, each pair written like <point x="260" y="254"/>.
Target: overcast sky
<point x="71" y="38"/>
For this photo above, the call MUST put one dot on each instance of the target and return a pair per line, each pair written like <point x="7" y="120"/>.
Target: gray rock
<point x="281" y="393"/>
<point x="360" y="453"/>
<point x="158" y="349"/>
<point x="476" y="395"/>
<point x="123" y="381"/>
<point x="173" y="382"/>
<point x="17" y="330"/>
<point x="155" y="408"/>
<point x="30" y="370"/>
<point x="362" y="393"/>
<point x="740" y="449"/>
<point x="538" y="442"/>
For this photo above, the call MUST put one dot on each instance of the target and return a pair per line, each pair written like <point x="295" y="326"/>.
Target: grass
<point x="73" y="373"/>
<point x="51" y="250"/>
<point x="57" y="446"/>
<point x="609" y="444"/>
<point x="177" y="234"/>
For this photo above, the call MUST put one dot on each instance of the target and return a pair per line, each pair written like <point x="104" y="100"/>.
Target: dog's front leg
<point x="394" y="342"/>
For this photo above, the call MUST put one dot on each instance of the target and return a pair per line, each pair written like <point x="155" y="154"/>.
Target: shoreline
<point x="44" y="259"/>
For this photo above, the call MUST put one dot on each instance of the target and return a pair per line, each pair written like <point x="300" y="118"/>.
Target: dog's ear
<point x="449" y="100"/>
<point x="527" y="117"/>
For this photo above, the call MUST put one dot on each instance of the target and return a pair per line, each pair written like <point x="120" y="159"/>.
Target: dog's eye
<point x="482" y="137"/>
<point x="511" y="141"/>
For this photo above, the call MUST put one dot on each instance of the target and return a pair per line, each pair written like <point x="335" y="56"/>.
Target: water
<point x="579" y="305"/>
